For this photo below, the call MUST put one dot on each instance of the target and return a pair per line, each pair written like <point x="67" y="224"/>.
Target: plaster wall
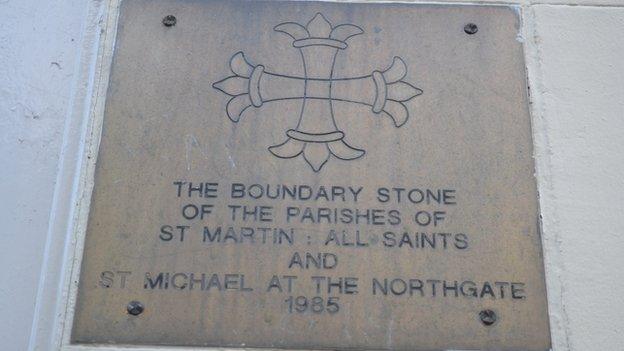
<point x="574" y="51"/>
<point x="39" y="43"/>
<point x="577" y="79"/>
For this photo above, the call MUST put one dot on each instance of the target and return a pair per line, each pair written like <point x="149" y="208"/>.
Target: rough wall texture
<point x="579" y="113"/>
<point x="39" y="42"/>
<point x="577" y="80"/>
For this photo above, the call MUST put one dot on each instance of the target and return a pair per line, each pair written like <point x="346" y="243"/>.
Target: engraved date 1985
<point x="316" y="304"/>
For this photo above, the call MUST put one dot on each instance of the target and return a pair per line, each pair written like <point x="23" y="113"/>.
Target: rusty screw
<point x="488" y="317"/>
<point x="471" y="28"/>
<point x="135" y="308"/>
<point x="169" y="21"/>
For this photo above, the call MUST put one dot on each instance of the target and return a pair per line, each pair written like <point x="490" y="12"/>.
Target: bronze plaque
<point x="315" y="175"/>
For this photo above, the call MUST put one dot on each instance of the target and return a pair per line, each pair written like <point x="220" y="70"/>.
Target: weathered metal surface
<point x="386" y="149"/>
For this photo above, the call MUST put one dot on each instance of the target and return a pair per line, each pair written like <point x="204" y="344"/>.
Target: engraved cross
<point x="317" y="136"/>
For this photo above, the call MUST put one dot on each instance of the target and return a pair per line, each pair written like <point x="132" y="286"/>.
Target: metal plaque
<point x="315" y="175"/>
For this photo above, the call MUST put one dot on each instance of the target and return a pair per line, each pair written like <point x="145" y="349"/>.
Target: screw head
<point x="471" y="28"/>
<point x="487" y="317"/>
<point x="169" y="21"/>
<point x="135" y="308"/>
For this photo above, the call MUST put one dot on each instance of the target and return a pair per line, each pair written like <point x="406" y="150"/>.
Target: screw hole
<point x="471" y="28"/>
<point x="487" y="317"/>
<point x="169" y="21"/>
<point x="135" y="308"/>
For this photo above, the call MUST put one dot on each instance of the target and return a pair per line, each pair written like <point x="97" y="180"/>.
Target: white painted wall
<point x="578" y="94"/>
<point x="575" y="59"/>
<point x="39" y="44"/>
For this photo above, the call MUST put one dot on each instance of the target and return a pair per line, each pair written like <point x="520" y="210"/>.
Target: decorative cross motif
<point x="317" y="135"/>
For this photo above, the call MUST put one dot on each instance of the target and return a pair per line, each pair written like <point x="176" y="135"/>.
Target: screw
<point x="471" y="28"/>
<point x="135" y="308"/>
<point x="169" y="21"/>
<point x="488" y="317"/>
